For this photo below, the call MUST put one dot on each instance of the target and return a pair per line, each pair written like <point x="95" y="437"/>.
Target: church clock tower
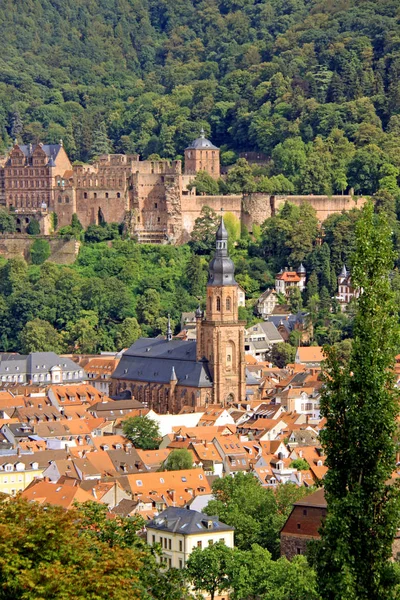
<point x="220" y="335"/>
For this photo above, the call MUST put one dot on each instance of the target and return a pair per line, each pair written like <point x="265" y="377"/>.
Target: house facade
<point x="179" y="531"/>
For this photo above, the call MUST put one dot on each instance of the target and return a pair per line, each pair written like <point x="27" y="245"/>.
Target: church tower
<point x="220" y="336"/>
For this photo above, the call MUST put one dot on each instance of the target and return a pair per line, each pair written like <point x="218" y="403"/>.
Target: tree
<point x="202" y="239"/>
<point x="295" y="299"/>
<point x="300" y="464"/>
<point x="360" y="404"/>
<point x="39" y="251"/>
<point x="33" y="227"/>
<point x="207" y="569"/>
<point x="7" y="222"/>
<point x="240" y="178"/>
<point x="205" y="184"/>
<point x="232" y="225"/>
<point x="178" y="460"/>
<point x="254" y="574"/>
<point x="143" y="432"/>
<point x="76" y="226"/>
<point x="256" y="513"/>
<point x="100" y="143"/>
<point x="282" y="354"/>
<point x="128" y="332"/>
<point x="17" y="126"/>
<point x="82" y="335"/>
<point x="38" y="541"/>
<point x="40" y="336"/>
<point x="196" y="274"/>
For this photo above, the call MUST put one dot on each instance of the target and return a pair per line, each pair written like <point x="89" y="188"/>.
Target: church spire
<point x="222" y="269"/>
<point x="169" y="330"/>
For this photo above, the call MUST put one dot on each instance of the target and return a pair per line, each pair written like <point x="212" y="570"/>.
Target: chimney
<point x="172" y="495"/>
<point x="300" y="476"/>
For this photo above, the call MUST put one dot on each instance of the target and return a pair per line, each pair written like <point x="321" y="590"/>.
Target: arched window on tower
<point x="218" y="304"/>
<point x="228" y="303"/>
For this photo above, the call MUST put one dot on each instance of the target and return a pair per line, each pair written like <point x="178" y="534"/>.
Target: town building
<point x="180" y="530"/>
<point x="309" y="356"/>
<point x="29" y="176"/>
<point x="346" y="291"/>
<point x="260" y="338"/>
<point x="38" y="367"/>
<point x="266" y="303"/>
<point x="166" y="374"/>
<point x="286" y="279"/>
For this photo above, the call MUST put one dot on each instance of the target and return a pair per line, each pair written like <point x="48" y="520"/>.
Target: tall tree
<point x="16" y="126"/>
<point x="360" y="404"/>
<point x="143" y="432"/>
<point x="100" y="143"/>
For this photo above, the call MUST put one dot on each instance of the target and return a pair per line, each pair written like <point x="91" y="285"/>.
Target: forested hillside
<point x="77" y="309"/>
<point x="313" y="84"/>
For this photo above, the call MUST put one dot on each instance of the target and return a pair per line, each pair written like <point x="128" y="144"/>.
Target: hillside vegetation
<point x="313" y="84"/>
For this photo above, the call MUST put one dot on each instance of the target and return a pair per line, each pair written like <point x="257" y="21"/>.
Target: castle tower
<point x="301" y="272"/>
<point x="202" y="155"/>
<point x="222" y="335"/>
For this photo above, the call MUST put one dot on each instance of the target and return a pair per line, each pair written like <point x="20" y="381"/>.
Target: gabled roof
<point x="187" y="522"/>
<point x="152" y="359"/>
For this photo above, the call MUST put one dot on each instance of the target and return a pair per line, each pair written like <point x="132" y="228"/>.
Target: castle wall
<point x="324" y="205"/>
<point x="192" y="205"/>
<point x="14" y="245"/>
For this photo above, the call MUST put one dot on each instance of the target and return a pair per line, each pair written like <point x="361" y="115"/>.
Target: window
<point x="199" y="544"/>
<point x="155" y="205"/>
<point x="218" y="304"/>
<point x="210" y="542"/>
<point x="169" y="544"/>
<point x="95" y="195"/>
<point x="228" y="304"/>
<point x="106" y="194"/>
<point x="158" y="219"/>
<point x="165" y="543"/>
<point x="305" y="512"/>
<point x="180" y="546"/>
<point x="298" y="550"/>
<point x="67" y="199"/>
<point x="59" y="199"/>
<point x="85" y="195"/>
<point x="180" y="563"/>
<point x="118" y="195"/>
<point x="298" y="526"/>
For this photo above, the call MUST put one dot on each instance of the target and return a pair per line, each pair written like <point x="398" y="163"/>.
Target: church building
<point x="167" y="374"/>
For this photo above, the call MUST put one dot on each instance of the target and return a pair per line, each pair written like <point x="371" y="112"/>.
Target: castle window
<point x="158" y="219"/>
<point x="59" y="199"/>
<point x="118" y="195"/>
<point x="218" y="303"/>
<point x="106" y="194"/>
<point x="67" y="199"/>
<point x="228" y="304"/>
<point x="155" y="205"/>
<point x="85" y="195"/>
<point x="95" y="194"/>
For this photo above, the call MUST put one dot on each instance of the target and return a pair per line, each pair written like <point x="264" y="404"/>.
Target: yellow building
<point x="179" y="531"/>
<point x="16" y="473"/>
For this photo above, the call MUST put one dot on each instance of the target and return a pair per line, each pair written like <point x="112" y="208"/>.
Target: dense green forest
<point x="313" y="84"/>
<point x="76" y="308"/>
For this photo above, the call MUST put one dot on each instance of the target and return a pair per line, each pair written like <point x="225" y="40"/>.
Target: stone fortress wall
<point x="151" y="197"/>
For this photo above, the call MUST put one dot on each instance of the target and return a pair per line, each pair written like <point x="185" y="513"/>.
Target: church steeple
<point x="220" y="336"/>
<point x="222" y="269"/>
